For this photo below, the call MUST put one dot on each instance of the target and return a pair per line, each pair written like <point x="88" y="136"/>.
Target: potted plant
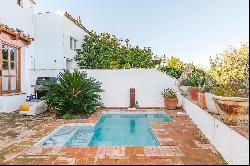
<point x="232" y="101"/>
<point x="184" y="85"/>
<point x="193" y="93"/>
<point x="201" y="97"/>
<point x="205" y="99"/>
<point x="184" y="82"/>
<point x="197" y="78"/>
<point x="170" y="99"/>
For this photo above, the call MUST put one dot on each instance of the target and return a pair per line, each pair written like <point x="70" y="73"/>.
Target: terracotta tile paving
<point x="181" y="142"/>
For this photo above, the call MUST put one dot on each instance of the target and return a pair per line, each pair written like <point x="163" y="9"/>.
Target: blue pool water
<point x="110" y="130"/>
<point x="126" y="130"/>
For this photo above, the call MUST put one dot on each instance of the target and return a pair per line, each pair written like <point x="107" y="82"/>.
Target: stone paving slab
<point x="181" y="142"/>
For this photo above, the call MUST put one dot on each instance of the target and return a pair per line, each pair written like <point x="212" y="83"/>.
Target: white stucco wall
<point x="149" y="83"/>
<point x="49" y="41"/>
<point x="233" y="147"/>
<point x="22" y="18"/>
<point x="71" y="30"/>
<point x="52" y="44"/>
<point x="11" y="103"/>
<point x="17" y="17"/>
<point x="51" y="33"/>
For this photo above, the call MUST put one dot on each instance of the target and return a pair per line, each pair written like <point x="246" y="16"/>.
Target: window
<point x="73" y="44"/>
<point x="20" y="3"/>
<point x="9" y="71"/>
<point x="69" y="64"/>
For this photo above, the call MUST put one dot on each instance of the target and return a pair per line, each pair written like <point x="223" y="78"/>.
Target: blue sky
<point x="192" y="30"/>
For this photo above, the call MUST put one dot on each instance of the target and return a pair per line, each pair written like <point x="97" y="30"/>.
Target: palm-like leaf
<point x="74" y="93"/>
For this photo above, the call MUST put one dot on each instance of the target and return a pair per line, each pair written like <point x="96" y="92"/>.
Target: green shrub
<point x="137" y="105"/>
<point x="74" y="94"/>
<point x="231" y="71"/>
<point x="105" y="51"/>
<point x="231" y="64"/>
<point x="168" y="93"/>
<point x="69" y="116"/>
<point x="184" y="78"/>
<point x="207" y="85"/>
<point x="176" y="73"/>
<point x="174" y="67"/>
<point x="233" y="88"/>
<point x="185" y="82"/>
<point x="197" y="77"/>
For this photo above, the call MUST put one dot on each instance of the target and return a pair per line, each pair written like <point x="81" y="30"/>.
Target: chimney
<point x="78" y="19"/>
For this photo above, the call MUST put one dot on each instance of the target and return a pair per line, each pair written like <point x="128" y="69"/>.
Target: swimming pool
<point x="110" y="130"/>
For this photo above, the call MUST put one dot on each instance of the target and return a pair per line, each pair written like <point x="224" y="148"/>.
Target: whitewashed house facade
<point x="57" y="35"/>
<point x="31" y="41"/>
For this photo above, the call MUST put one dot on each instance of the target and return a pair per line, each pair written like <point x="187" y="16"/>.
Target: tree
<point x="107" y="52"/>
<point x="175" y="63"/>
<point x="174" y="67"/>
<point x="231" y="64"/>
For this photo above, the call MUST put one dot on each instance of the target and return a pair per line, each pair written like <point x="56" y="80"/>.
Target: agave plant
<point x="74" y="93"/>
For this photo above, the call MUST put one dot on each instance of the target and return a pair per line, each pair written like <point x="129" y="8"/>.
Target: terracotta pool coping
<point x="100" y="115"/>
<point x="179" y="144"/>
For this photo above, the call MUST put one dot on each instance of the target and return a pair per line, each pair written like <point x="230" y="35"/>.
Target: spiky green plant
<point x="74" y="93"/>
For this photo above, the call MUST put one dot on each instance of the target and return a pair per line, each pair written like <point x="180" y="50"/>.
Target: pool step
<point x="81" y="138"/>
<point x="60" y="137"/>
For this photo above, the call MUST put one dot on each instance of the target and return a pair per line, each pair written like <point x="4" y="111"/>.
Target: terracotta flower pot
<point x="170" y="103"/>
<point x="233" y="110"/>
<point x="202" y="100"/>
<point x="193" y="93"/>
